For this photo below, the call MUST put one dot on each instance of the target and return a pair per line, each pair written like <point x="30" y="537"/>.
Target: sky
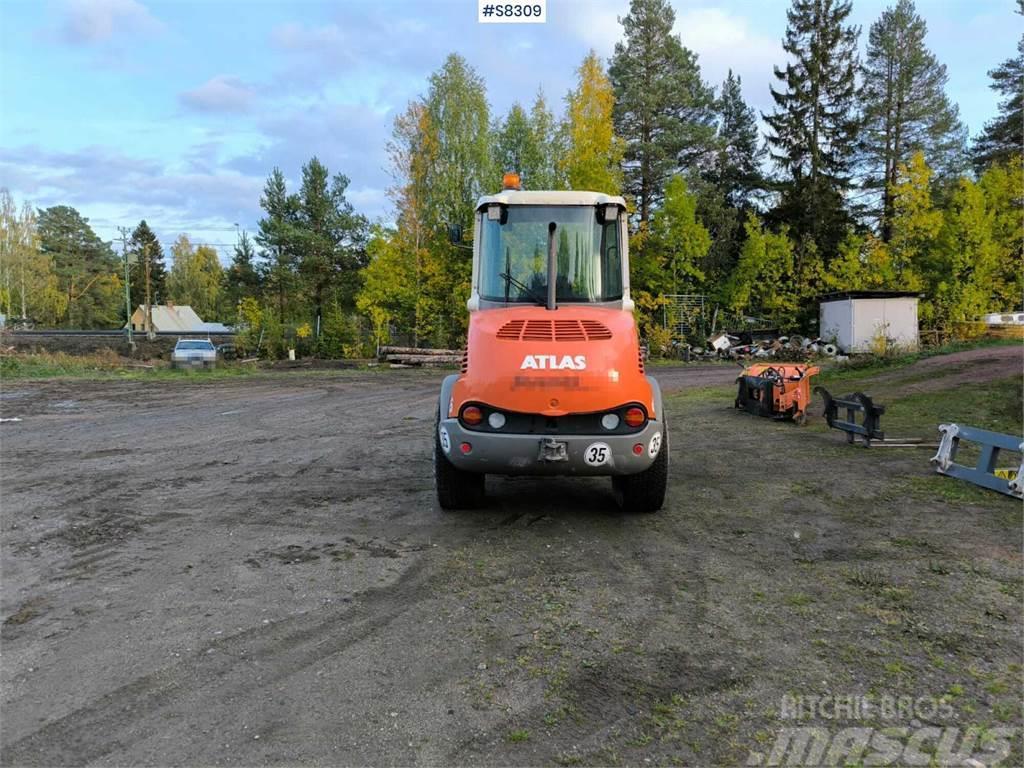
<point x="175" y="112"/>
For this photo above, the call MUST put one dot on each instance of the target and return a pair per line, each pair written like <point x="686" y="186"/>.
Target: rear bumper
<point x="500" y="454"/>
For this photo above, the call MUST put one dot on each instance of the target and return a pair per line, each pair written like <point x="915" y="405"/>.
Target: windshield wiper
<point x="523" y="288"/>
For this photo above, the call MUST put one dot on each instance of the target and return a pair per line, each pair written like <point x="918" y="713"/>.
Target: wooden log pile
<point x="420" y="357"/>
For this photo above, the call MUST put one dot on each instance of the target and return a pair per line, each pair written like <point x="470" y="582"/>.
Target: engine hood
<point x="576" y="359"/>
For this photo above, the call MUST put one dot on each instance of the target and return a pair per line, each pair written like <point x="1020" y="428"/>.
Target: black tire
<point x="645" y="491"/>
<point x="456" y="489"/>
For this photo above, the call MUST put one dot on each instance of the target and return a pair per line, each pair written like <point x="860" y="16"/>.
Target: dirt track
<point x="255" y="570"/>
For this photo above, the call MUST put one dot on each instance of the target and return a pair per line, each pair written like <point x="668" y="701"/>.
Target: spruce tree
<point x="144" y="246"/>
<point x="1003" y="137"/>
<point x="737" y="166"/>
<point x="546" y="142"/>
<point x="277" y="237"/>
<point x="241" y="279"/>
<point x="905" y="107"/>
<point x="663" y="110"/>
<point x="814" y="126"/>
<point x="512" y="143"/>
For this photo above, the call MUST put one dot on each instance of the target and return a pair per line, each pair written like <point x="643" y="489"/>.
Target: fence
<point x="685" y="314"/>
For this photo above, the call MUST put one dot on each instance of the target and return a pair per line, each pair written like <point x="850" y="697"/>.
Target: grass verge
<point x="49" y="365"/>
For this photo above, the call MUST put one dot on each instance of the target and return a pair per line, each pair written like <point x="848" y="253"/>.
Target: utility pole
<point x="149" y="297"/>
<point x="127" y="286"/>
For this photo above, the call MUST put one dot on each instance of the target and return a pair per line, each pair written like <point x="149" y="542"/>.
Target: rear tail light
<point x="472" y="415"/>
<point x="634" y="416"/>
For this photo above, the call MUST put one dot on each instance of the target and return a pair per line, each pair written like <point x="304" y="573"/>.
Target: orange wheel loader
<point x="553" y="379"/>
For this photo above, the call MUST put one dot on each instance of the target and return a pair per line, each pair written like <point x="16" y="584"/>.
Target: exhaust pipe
<point x="552" y="266"/>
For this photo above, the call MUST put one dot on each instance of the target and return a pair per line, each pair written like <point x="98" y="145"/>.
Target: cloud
<point x="347" y="138"/>
<point x="299" y="37"/>
<point x="94" y="22"/>
<point x="222" y="93"/>
<point x="724" y="41"/>
<point x="597" y="26"/>
<point x="97" y="178"/>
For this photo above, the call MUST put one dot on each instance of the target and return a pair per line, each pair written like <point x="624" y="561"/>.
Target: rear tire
<point x="456" y="489"/>
<point x="644" y="491"/>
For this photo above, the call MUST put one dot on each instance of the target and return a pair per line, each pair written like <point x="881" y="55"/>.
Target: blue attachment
<point x="983" y="473"/>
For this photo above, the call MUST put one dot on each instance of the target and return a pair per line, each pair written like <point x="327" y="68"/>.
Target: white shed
<point x="855" y="319"/>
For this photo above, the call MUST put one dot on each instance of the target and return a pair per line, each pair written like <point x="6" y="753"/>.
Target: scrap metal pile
<point x="745" y="345"/>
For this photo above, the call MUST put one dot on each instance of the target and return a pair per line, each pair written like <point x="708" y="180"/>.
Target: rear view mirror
<point x="607" y="213"/>
<point x="455" y="233"/>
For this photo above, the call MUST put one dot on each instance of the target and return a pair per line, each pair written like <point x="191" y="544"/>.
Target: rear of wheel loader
<point x="553" y="382"/>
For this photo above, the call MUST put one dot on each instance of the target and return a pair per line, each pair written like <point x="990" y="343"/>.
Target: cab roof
<point x="561" y="197"/>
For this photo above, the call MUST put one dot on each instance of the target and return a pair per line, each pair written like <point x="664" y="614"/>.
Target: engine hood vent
<point x="554" y="330"/>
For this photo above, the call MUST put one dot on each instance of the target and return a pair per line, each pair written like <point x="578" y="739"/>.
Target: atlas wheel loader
<point x="552" y="379"/>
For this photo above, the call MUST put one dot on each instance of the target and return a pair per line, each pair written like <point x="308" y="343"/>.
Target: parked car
<point x="200" y="353"/>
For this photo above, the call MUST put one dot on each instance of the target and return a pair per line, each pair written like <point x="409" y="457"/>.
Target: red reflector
<point x="638" y="448"/>
<point x="634" y="417"/>
<point x="472" y="415"/>
<point x="466" y="447"/>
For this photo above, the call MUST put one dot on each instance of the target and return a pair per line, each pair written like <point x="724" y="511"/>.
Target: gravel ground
<point x="254" y="570"/>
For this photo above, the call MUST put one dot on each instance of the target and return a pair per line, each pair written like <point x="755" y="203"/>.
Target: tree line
<point x="864" y="178"/>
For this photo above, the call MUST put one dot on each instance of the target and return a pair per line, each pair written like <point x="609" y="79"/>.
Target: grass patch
<point x="994" y="405"/>
<point x="864" y="367"/>
<point x="46" y="365"/>
<point x="109" y="365"/>
<point x="517" y="736"/>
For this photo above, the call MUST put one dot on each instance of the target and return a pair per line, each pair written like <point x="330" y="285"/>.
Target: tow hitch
<point x="553" y="450"/>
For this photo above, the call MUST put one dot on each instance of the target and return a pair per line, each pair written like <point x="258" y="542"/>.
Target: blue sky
<point x="176" y="111"/>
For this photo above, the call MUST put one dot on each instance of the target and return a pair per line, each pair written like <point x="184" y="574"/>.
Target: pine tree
<point x="663" y="110"/>
<point x="86" y="269"/>
<point x="814" y="125"/>
<point x="905" y="108"/>
<point x="1003" y="136"/>
<point x="593" y="150"/>
<point x="737" y="165"/>
<point x="143" y="246"/>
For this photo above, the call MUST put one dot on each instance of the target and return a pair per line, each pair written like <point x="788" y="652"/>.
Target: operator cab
<point x="525" y="238"/>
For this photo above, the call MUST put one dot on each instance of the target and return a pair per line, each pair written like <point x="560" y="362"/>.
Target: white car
<point x="200" y="353"/>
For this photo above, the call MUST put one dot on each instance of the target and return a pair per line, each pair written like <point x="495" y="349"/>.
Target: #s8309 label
<point x="516" y="12"/>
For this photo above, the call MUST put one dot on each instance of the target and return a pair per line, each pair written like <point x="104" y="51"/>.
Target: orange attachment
<point x="776" y="390"/>
<point x="511" y="181"/>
